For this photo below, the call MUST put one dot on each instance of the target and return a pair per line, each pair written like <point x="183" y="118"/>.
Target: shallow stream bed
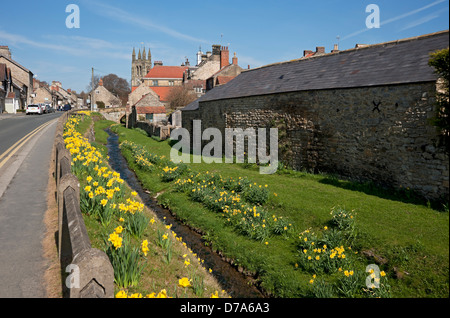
<point x="237" y="284"/>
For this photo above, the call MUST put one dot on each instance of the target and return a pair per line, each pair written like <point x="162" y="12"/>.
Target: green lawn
<point x="409" y="241"/>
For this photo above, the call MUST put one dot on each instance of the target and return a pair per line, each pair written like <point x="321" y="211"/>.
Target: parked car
<point x="49" y="108"/>
<point x="43" y="107"/>
<point x="34" y="109"/>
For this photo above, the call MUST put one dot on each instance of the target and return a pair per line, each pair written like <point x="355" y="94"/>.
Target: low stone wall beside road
<point x="90" y="273"/>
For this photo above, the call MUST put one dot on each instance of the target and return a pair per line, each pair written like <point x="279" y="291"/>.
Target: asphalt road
<point x="25" y="155"/>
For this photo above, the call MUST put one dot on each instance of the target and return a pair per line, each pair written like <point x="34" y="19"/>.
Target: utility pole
<point x="92" y="91"/>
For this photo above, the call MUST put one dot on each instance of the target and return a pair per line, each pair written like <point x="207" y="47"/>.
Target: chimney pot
<point x="336" y="49"/>
<point x="235" y="59"/>
<point x="320" y="49"/>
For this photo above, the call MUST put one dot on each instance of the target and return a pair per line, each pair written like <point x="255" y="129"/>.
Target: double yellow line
<point x="4" y="157"/>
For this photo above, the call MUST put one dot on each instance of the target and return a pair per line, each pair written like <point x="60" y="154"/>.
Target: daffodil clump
<point x="316" y="255"/>
<point x="124" y="294"/>
<point x="239" y="200"/>
<point x="327" y="253"/>
<point x="125" y="258"/>
<point x="230" y="198"/>
<point x="162" y="294"/>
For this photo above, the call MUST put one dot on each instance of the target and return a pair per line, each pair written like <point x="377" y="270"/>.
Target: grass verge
<point x="407" y="241"/>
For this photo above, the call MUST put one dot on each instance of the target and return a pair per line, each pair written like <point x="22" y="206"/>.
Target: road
<point x="25" y="155"/>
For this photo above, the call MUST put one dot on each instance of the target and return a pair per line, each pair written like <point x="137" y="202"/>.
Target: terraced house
<point x="21" y="86"/>
<point x="362" y="113"/>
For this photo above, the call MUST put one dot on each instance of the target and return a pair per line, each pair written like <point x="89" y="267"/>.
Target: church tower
<point x="140" y="66"/>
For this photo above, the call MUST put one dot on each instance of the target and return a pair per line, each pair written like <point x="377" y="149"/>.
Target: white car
<point x="44" y="108"/>
<point x="34" y="109"/>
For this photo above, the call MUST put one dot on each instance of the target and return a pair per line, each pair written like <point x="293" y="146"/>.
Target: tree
<point x="180" y="96"/>
<point x="91" y="85"/>
<point x="440" y="61"/>
<point x="118" y="86"/>
<point x="84" y="96"/>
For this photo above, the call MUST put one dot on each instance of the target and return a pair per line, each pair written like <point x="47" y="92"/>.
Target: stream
<point x="235" y="283"/>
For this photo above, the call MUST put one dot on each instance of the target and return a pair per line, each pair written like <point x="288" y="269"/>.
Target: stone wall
<point x="113" y="114"/>
<point x="378" y="133"/>
<point x="155" y="129"/>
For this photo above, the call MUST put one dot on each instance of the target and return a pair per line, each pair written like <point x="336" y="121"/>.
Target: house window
<point x="171" y="83"/>
<point x="149" y="117"/>
<point x="155" y="82"/>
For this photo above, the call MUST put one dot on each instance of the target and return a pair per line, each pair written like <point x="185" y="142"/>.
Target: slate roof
<point x="396" y="62"/>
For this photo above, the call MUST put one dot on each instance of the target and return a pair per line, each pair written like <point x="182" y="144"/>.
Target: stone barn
<point x="361" y="113"/>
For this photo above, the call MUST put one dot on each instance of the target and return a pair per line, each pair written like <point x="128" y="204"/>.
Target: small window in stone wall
<point x="149" y="117"/>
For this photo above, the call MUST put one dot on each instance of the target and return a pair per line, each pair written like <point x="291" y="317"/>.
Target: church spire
<point x="143" y="54"/>
<point x="133" y="55"/>
<point x="139" y="54"/>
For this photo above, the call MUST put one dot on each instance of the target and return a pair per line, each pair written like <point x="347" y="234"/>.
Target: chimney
<point x="158" y="63"/>
<point x="4" y="50"/>
<point x="335" y="49"/>
<point x="320" y="49"/>
<point x="307" y="52"/>
<point x="216" y="49"/>
<point x="100" y="82"/>
<point x="224" y="57"/>
<point x="235" y="59"/>
<point x="69" y="90"/>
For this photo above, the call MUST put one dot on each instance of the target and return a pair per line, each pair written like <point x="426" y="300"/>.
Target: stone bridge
<point x="115" y="114"/>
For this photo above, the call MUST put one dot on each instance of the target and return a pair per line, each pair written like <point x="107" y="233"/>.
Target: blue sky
<point x="260" y="32"/>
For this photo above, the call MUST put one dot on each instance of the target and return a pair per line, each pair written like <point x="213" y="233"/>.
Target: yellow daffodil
<point x="184" y="282"/>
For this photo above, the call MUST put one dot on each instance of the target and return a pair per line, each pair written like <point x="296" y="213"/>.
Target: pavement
<point x="23" y="203"/>
<point x="6" y="115"/>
